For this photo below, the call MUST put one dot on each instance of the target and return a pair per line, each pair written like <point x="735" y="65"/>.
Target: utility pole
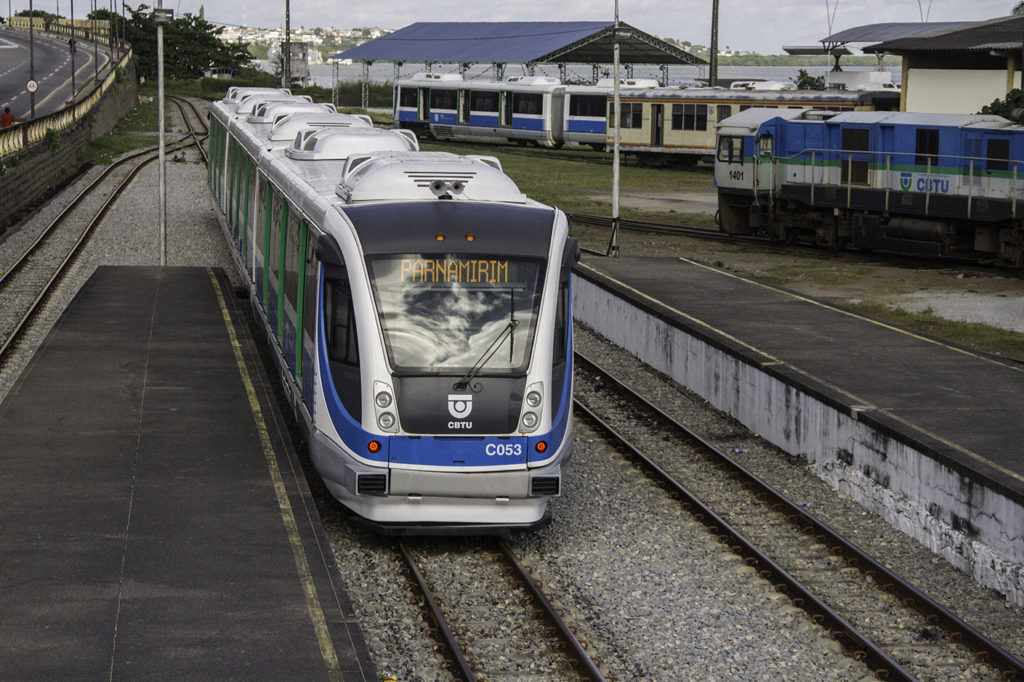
<point x="613" y="242"/>
<point x="713" y="56"/>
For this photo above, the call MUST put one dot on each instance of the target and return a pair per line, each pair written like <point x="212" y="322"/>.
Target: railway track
<point x="28" y="278"/>
<point x="897" y="631"/>
<point x="490" y="617"/>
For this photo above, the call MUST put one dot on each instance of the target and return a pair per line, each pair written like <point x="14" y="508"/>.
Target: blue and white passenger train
<point x="419" y="308"/>
<point x="947" y="185"/>
<point x="657" y="125"/>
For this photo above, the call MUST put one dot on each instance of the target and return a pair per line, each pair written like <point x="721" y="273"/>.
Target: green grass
<point x="580" y="181"/>
<point x="970" y="334"/>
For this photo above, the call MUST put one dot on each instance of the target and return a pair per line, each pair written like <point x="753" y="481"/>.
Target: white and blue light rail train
<point x="658" y="125"/>
<point x="945" y="185"/>
<point x="418" y="306"/>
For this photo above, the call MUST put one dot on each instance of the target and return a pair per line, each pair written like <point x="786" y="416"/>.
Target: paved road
<point x="52" y="63"/>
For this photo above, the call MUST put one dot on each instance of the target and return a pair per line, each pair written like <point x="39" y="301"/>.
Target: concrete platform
<point x="154" y="521"/>
<point x="926" y="434"/>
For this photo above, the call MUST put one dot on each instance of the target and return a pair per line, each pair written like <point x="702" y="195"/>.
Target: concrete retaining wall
<point x="975" y="528"/>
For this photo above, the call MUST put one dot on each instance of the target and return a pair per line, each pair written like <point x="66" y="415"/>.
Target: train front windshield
<point x="454" y="314"/>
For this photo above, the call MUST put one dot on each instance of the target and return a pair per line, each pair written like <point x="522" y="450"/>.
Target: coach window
<point x="695" y="117"/>
<point x="527" y="103"/>
<point x="724" y="112"/>
<point x="587" y="105"/>
<point x="408" y="98"/>
<point x="308" y="314"/>
<point x="442" y="99"/>
<point x="292" y="272"/>
<point x="927" y="147"/>
<point x="483" y="100"/>
<point x="632" y="115"/>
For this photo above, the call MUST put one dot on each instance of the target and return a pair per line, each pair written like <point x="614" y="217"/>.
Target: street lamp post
<point x="72" y="47"/>
<point x="32" y="56"/>
<point x="161" y="16"/>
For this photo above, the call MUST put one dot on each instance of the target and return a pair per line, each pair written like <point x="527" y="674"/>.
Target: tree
<point x="805" y="81"/>
<point x="1018" y="9"/>
<point x="191" y="44"/>
<point x="1012" y="107"/>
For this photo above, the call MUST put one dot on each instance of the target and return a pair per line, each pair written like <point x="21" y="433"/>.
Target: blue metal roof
<point x="514" y="42"/>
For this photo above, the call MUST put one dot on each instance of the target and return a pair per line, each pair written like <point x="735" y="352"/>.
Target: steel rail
<point x="75" y="203"/>
<point x="455" y="659"/>
<point x="859" y="646"/>
<point x="957" y="630"/>
<point x="68" y="259"/>
<point x="579" y="657"/>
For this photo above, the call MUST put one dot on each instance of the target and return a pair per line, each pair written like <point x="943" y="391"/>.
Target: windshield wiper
<point x="509" y="331"/>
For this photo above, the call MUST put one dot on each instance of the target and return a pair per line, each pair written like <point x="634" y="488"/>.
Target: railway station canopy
<point x="865" y="38"/>
<point x="519" y="42"/>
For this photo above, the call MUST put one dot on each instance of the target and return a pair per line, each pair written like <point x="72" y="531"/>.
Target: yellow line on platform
<point x="316" y="612"/>
<point x="776" y="362"/>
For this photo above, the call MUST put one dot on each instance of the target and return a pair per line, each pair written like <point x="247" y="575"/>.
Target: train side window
<point x="927" y="147"/>
<point x="632" y="115"/>
<point x="408" y="97"/>
<point x="442" y="99"/>
<point x="724" y="112"/>
<point x="998" y="155"/>
<point x="339" y="318"/>
<point x="764" y="146"/>
<point x="483" y="100"/>
<point x="309" y="291"/>
<point x="586" y="105"/>
<point x="695" y="117"/>
<point x="677" y="117"/>
<point x="730" y="149"/>
<point x="528" y="103"/>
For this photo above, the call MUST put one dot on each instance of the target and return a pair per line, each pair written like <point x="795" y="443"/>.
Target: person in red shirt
<point x="7" y="120"/>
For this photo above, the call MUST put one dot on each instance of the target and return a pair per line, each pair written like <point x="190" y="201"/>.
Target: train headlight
<point x="530" y="421"/>
<point x="383" y="399"/>
<point x="534" y="398"/>
<point x="386" y="421"/>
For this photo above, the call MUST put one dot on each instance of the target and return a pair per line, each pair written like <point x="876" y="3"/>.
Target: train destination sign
<point x="454" y="270"/>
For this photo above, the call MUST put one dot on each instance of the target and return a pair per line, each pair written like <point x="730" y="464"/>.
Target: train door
<point x="854" y="164"/>
<point x="505" y="119"/>
<point x="463" y="106"/>
<point x="423" y="104"/>
<point x="657" y="125"/>
<point x="763" y="165"/>
<point x="997" y="164"/>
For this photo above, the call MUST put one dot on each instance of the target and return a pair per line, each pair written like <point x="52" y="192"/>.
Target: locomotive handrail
<point x="820" y="157"/>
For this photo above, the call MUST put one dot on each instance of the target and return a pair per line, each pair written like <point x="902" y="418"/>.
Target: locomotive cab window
<point x="730" y="149"/>
<point x="339" y="317"/>
<point x="448" y="313"/>
<point x="926" y="148"/>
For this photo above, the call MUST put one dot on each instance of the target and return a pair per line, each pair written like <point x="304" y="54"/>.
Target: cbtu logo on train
<point x="923" y="183"/>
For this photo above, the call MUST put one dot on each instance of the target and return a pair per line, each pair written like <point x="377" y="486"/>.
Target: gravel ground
<point x="653" y="595"/>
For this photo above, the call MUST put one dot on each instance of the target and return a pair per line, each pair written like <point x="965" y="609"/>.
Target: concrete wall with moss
<point x="34" y="173"/>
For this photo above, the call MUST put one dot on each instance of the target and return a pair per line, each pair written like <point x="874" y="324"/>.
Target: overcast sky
<point x="752" y="25"/>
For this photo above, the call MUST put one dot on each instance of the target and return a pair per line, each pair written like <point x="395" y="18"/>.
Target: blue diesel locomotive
<point x="418" y="306"/>
<point x="944" y="185"/>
